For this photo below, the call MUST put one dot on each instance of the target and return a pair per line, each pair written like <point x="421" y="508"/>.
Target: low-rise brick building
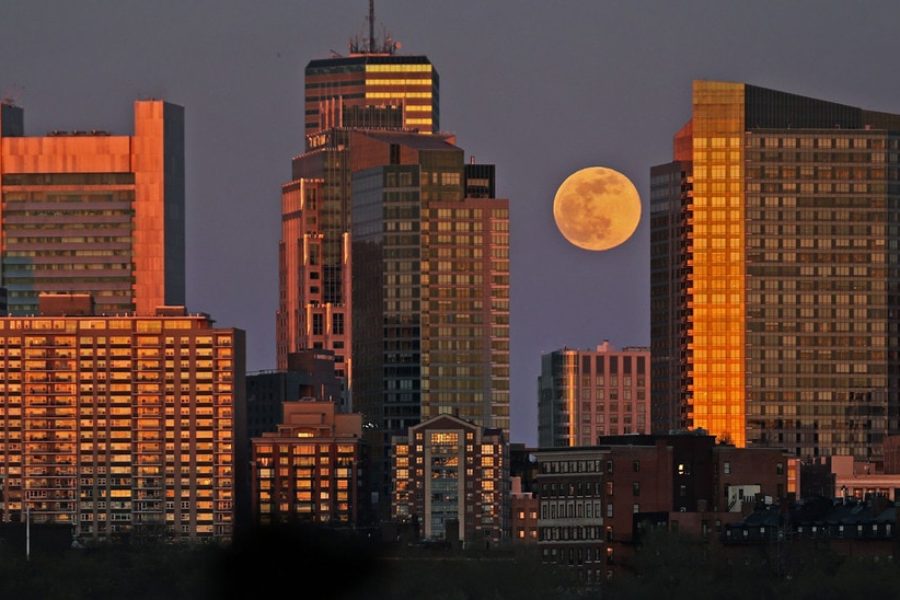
<point x="311" y="468"/>
<point x="593" y="499"/>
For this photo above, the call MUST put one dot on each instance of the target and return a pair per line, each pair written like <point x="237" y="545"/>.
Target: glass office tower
<point x="774" y="273"/>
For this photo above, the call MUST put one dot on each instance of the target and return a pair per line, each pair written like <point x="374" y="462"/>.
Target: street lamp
<point x="27" y="528"/>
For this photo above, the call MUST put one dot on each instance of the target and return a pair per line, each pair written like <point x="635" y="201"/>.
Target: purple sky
<point x="539" y="88"/>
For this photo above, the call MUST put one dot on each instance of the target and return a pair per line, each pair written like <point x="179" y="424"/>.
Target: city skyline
<point x="508" y="299"/>
<point x="241" y="84"/>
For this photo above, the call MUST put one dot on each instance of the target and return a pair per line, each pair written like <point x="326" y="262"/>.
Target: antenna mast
<point x="372" y="26"/>
<point x="360" y="44"/>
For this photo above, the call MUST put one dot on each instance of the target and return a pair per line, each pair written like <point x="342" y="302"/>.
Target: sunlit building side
<point x="584" y="394"/>
<point x="311" y="468"/>
<point x="91" y="212"/>
<point x="121" y="425"/>
<point x="774" y="278"/>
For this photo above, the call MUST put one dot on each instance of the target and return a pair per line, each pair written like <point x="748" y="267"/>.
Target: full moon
<point x="597" y="208"/>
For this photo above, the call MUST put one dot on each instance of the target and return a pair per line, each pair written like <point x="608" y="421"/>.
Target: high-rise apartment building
<point x="774" y="277"/>
<point x="121" y="424"/>
<point x="430" y="287"/>
<point x="584" y="394"/>
<point x="450" y="478"/>
<point x="95" y="213"/>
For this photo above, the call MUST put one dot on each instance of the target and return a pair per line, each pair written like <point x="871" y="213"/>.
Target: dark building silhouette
<point x="310" y="376"/>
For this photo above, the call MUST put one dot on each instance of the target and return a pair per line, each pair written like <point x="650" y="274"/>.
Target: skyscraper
<point x="373" y="88"/>
<point x="430" y="287"/>
<point x="431" y="299"/>
<point x="341" y="91"/>
<point x="584" y="394"/>
<point x="94" y="213"/>
<point x="774" y="277"/>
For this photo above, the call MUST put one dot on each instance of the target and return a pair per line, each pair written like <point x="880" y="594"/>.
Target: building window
<point x="635" y="488"/>
<point x="636" y="466"/>
<point x="609" y="510"/>
<point x="317" y="324"/>
<point x="682" y="490"/>
<point x="636" y="508"/>
<point x="337" y="323"/>
<point x="726" y="468"/>
<point x="779" y="469"/>
<point x="609" y="466"/>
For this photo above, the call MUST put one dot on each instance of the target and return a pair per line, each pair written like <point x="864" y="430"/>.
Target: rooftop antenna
<point x="12" y="95"/>
<point x="372" y="26"/>
<point x="360" y="44"/>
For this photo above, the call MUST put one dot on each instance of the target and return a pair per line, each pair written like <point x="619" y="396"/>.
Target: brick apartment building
<point x="592" y="499"/>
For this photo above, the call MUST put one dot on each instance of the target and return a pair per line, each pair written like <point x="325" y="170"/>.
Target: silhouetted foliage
<point x="260" y="563"/>
<point x="668" y="565"/>
<point x="350" y="566"/>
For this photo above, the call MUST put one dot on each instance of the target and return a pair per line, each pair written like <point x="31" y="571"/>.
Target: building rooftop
<point x="417" y="141"/>
<point x="364" y="59"/>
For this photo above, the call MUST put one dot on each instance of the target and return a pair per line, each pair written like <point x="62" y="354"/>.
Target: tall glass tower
<point x="774" y="273"/>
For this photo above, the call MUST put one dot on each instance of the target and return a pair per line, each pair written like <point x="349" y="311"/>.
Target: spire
<point x="360" y="44"/>
<point x="371" y="26"/>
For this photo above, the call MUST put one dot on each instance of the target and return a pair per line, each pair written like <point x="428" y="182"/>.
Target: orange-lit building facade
<point x="94" y="213"/>
<point x="584" y="394"/>
<point x="311" y="468"/>
<point x="450" y="478"/>
<point x="773" y="269"/>
<point x="313" y="283"/>
<point x="122" y="425"/>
